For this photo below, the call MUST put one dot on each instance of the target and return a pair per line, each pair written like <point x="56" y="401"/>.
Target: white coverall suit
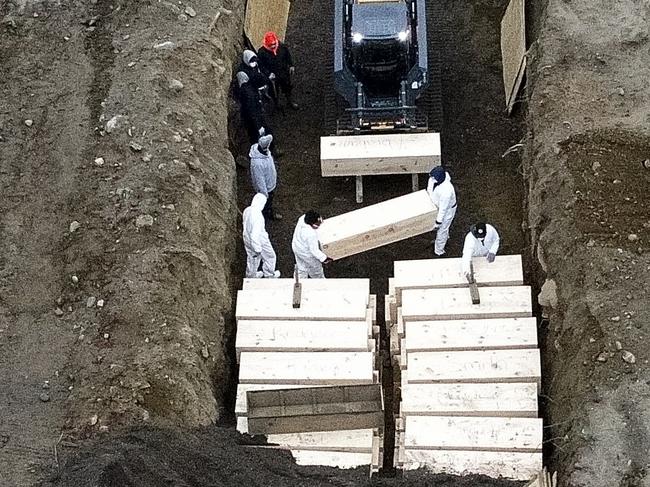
<point x="256" y="240"/>
<point x="309" y="256"/>
<point x="444" y="197"/>
<point x="473" y="247"/>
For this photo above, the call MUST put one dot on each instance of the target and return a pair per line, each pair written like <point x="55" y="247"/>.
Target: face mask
<point x="253" y="64"/>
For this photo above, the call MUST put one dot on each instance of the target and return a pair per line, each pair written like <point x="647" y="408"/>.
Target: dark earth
<point x="136" y="386"/>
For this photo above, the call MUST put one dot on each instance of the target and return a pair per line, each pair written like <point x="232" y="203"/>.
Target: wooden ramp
<point x="298" y="368"/>
<point x="377" y="225"/>
<point x="469" y="373"/>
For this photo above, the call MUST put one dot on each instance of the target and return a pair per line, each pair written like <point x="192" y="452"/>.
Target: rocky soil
<point x="589" y="222"/>
<point x="118" y="217"/>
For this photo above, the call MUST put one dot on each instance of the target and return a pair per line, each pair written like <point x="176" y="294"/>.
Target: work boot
<point x="275" y="275"/>
<point x="259" y="274"/>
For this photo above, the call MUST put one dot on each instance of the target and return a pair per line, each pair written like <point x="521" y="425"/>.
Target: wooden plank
<point x="341" y="285"/>
<point x="332" y="459"/>
<point x="322" y="422"/>
<point x="506" y="270"/>
<point x="387" y="319"/>
<point x="400" y="323"/>
<point x="474" y="366"/>
<point x="377" y="225"/>
<point x="314" y="397"/>
<point x="393" y="310"/>
<point x="301" y="336"/>
<point x="316" y="305"/>
<point x="415" y="183"/>
<point x="473" y="433"/>
<point x="372" y="306"/>
<point x="481" y="334"/>
<point x="297" y="295"/>
<point x="456" y="304"/>
<point x="514" y="465"/>
<point x="513" y="49"/>
<point x="241" y="405"/>
<point x="359" y="441"/>
<point x="357" y="155"/>
<point x="308" y="368"/>
<point x="506" y="400"/>
<point x="358" y="189"/>
<point x="264" y="15"/>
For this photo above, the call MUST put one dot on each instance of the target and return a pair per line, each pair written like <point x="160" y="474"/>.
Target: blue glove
<point x="491" y="257"/>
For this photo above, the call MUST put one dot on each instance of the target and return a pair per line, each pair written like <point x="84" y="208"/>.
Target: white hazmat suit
<point x="443" y="196"/>
<point x="256" y="241"/>
<point x="474" y="247"/>
<point x="309" y="256"/>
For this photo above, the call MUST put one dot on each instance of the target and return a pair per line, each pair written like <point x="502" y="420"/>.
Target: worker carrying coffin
<point x="306" y="247"/>
<point x="481" y="241"/>
<point x="443" y="195"/>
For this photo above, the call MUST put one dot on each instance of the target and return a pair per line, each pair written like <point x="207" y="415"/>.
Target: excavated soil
<point x="123" y="387"/>
<point x="589" y="222"/>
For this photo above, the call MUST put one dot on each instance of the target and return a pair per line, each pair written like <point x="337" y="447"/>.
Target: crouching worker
<point x="306" y="248"/>
<point x="481" y="241"/>
<point x="256" y="241"/>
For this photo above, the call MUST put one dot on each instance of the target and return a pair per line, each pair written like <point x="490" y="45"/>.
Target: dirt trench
<point x="141" y="375"/>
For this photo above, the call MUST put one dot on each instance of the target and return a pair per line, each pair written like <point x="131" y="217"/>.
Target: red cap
<point x="271" y="40"/>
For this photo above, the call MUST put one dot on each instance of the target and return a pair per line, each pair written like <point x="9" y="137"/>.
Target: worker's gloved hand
<point x="327" y="261"/>
<point x="272" y="76"/>
<point x="261" y="131"/>
<point x="436" y="225"/>
<point x="292" y="70"/>
<point x="491" y="257"/>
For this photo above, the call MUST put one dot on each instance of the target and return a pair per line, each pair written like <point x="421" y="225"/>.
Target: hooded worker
<point x="250" y="66"/>
<point x="275" y="61"/>
<point x="251" y="109"/>
<point x="306" y="248"/>
<point x="264" y="176"/>
<point x="443" y="195"/>
<point x="481" y="241"/>
<point x="256" y="241"/>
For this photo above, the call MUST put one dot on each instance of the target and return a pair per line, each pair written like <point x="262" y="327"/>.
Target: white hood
<point x="247" y="56"/>
<point x="259" y="200"/>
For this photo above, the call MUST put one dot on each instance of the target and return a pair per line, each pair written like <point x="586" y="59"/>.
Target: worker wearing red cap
<point x="275" y="60"/>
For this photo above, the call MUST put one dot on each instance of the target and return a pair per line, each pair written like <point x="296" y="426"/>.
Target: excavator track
<point x="431" y="104"/>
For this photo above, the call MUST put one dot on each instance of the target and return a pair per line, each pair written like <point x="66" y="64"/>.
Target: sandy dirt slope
<point x="121" y="317"/>
<point x="589" y="218"/>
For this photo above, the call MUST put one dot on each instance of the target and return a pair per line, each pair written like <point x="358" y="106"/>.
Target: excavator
<point x="386" y="101"/>
<point x="380" y="63"/>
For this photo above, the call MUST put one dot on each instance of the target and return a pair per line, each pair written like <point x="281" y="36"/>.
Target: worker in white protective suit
<point x="443" y="195"/>
<point x="306" y="248"/>
<point x="481" y="241"/>
<point x="256" y="241"/>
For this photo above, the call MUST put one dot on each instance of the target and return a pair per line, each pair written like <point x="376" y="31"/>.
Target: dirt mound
<point x="589" y="221"/>
<point x="118" y="219"/>
<point x="215" y="457"/>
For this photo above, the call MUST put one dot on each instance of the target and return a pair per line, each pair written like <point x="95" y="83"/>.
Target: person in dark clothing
<point x="257" y="78"/>
<point x="275" y="61"/>
<point x="252" y="110"/>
